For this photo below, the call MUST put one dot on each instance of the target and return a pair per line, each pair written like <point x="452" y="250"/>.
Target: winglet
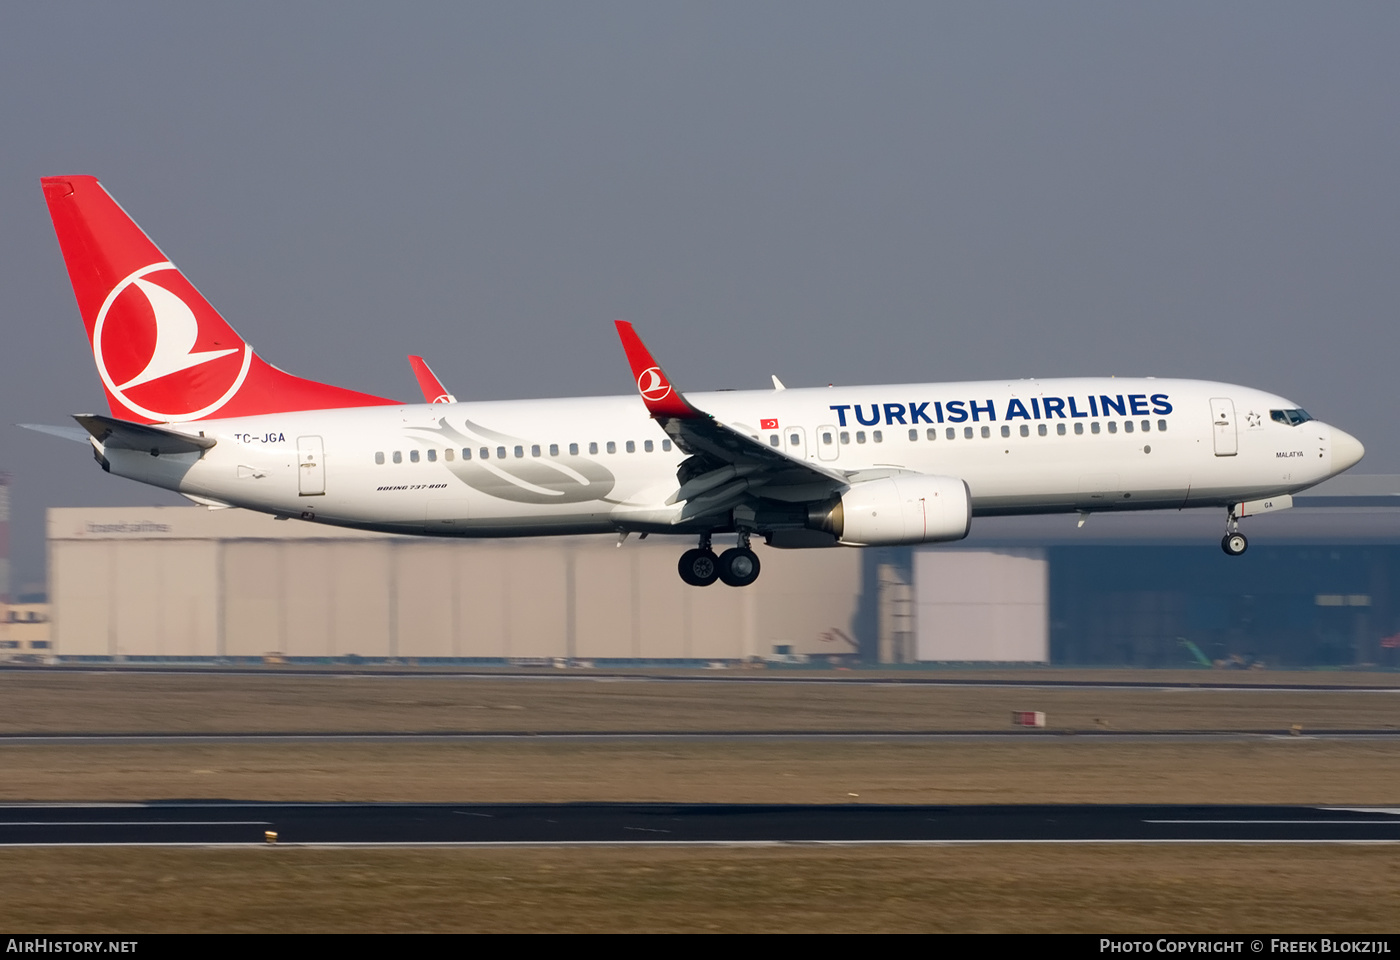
<point x="661" y="398"/>
<point x="433" y="390"/>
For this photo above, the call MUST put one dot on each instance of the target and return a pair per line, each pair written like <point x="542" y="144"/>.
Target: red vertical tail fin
<point x="163" y="353"/>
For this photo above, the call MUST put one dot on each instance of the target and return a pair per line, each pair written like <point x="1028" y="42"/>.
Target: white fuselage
<point x="1022" y="447"/>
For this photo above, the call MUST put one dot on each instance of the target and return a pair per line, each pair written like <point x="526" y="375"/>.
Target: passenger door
<point x="311" y="467"/>
<point x="1222" y="415"/>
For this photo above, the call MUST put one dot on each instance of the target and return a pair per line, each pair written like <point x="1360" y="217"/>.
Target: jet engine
<point x="907" y="508"/>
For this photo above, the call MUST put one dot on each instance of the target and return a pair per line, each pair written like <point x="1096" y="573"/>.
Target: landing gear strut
<point x="1234" y="542"/>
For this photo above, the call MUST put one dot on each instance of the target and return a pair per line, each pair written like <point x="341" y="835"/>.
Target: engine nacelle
<point x="909" y="508"/>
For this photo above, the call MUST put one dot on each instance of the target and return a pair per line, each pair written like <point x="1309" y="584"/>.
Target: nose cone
<point x="1347" y="451"/>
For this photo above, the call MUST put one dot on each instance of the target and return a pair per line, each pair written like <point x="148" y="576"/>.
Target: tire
<point x="699" y="568"/>
<point x="1234" y="544"/>
<point x="738" y="567"/>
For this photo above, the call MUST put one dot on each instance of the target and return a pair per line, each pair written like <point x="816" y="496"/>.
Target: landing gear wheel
<point x="1234" y="544"/>
<point x="699" y="568"/>
<point x="738" y="567"/>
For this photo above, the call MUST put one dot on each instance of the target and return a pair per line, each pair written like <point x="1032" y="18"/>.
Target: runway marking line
<point x="283" y="844"/>
<point x="135" y="823"/>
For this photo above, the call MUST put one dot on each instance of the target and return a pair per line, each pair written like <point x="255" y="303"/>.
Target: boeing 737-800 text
<point x="193" y="409"/>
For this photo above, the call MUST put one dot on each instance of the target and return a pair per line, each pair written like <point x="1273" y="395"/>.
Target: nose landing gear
<point x="1233" y="543"/>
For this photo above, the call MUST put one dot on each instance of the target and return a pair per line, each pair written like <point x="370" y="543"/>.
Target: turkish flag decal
<point x="767" y="424"/>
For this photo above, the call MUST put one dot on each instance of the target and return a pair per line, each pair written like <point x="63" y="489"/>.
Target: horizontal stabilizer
<point x="58" y="430"/>
<point x="124" y="435"/>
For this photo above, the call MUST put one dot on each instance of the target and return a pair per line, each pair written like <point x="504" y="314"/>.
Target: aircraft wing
<point x="733" y="462"/>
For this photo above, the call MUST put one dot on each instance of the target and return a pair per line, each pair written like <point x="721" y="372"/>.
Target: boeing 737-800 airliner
<point x="195" y="410"/>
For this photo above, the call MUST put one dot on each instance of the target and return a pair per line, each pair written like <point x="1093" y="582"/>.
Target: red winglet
<point x="433" y="390"/>
<point x="661" y="398"/>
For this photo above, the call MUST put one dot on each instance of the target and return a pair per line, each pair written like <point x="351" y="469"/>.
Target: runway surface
<point x="351" y="824"/>
<point x="638" y="736"/>
<point x="575" y="675"/>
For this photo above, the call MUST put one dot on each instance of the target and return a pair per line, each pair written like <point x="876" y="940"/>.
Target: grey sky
<point x="858" y="193"/>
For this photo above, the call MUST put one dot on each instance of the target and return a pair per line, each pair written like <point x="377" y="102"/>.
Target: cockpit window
<point x="1291" y="417"/>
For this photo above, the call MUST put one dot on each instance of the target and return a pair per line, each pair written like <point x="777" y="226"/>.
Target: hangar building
<point x="1317" y="587"/>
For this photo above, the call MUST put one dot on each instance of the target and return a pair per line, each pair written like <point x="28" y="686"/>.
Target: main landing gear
<point x="737" y="566"/>
<point x="1234" y="542"/>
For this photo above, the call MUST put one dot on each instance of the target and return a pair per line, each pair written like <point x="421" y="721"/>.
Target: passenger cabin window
<point x="1040" y="429"/>
<point x="773" y="440"/>
<point x="432" y="456"/>
<point x="1161" y="425"/>
<point x="413" y="456"/>
<point x="534" y="450"/>
<point x="794" y="439"/>
<point x="967" y="433"/>
<point x="398" y="457"/>
<point x="860" y="436"/>
<point x="1005" y="430"/>
<point x="1060" y="429"/>
<point x="648" y="446"/>
<point x="932" y="433"/>
<point x="1025" y="430"/>
<point x="379" y="457"/>
<point x="986" y="432"/>
<point x="1078" y="429"/>
<point x="554" y="449"/>
<point x="573" y="449"/>
<point x="666" y="445"/>
<point x="486" y="453"/>
<point x="1146" y="426"/>
<point x="913" y="434"/>
<point x="1094" y="427"/>
<point x="448" y="454"/>
<point x="466" y="453"/>
<point x="501" y="453"/>
<point x="631" y="446"/>
<point x="1112" y="426"/>
<point x="612" y="446"/>
<point x="827" y="438"/>
<point x="1127" y="426"/>
<point x="593" y="447"/>
<point x="952" y="432"/>
<point x="878" y="436"/>
<point x="845" y="436"/>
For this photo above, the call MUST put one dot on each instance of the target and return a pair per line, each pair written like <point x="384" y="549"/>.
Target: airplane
<point x="195" y="410"/>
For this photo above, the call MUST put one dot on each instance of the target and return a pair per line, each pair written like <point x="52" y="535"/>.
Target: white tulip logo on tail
<point x="147" y="358"/>
<point x="652" y="385"/>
